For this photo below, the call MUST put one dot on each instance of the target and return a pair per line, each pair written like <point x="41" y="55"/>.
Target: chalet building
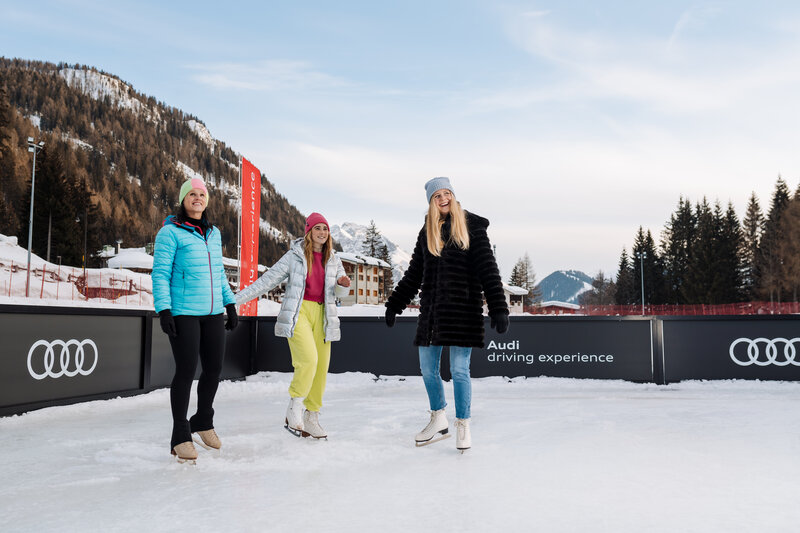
<point x="558" y="308"/>
<point x="367" y="279"/>
<point x="515" y="297"/>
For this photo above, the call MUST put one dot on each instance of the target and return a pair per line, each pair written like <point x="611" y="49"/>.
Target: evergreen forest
<point x="112" y="164"/>
<point x="706" y="255"/>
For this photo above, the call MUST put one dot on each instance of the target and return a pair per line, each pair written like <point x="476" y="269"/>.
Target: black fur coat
<point x="452" y="288"/>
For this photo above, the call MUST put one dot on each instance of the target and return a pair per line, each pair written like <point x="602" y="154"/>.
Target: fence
<point x="48" y="281"/>
<point x="741" y="308"/>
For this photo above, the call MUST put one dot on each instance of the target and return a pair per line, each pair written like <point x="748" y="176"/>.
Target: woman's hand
<point x="233" y="318"/>
<point x="167" y="323"/>
<point x="344" y="281"/>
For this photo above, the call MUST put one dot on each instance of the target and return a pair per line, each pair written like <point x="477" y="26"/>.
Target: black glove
<point x="390" y="315"/>
<point x="233" y="318"/>
<point x="499" y="322"/>
<point x="167" y="322"/>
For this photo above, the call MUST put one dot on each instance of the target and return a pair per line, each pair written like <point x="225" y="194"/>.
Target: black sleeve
<point x="487" y="271"/>
<point x="408" y="287"/>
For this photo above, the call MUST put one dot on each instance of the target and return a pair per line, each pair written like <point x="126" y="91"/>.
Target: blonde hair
<point x="308" y="250"/>
<point x="458" y="227"/>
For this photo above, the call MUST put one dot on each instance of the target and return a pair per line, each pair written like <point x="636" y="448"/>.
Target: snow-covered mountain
<point x="352" y="236"/>
<point x="564" y="286"/>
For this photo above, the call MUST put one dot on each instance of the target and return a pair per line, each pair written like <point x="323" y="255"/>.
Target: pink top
<point x="315" y="282"/>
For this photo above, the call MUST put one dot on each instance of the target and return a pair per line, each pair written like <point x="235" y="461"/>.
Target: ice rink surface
<point x="548" y="455"/>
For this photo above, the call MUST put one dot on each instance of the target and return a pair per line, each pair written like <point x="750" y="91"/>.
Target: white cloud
<point x="267" y="75"/>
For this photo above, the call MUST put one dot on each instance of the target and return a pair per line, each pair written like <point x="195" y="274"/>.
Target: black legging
<point x="203" y="335"/>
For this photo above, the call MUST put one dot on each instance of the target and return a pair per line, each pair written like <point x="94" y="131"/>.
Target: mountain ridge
<point x="564" y="286"/>
<point x="115" y="157"/>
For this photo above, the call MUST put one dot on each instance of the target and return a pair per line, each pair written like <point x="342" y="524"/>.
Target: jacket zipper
<point x="210" y="274"/>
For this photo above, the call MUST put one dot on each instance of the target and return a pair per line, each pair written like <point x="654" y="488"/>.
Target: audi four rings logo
<point x="778" y="351"/>
<point x="71" y="359"/>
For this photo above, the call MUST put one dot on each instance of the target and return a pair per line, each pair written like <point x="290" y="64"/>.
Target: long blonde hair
<point x="458" y="227"/>
<point x="308" y="250"/>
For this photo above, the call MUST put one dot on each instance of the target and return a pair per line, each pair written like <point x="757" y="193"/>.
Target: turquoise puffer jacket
<point x="188" y="276"/>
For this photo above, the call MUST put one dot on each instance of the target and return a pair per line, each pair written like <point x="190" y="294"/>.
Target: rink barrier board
<point x="591" y="347"/>
<point x="134" y="355"/>
<point x="731" y="347"/>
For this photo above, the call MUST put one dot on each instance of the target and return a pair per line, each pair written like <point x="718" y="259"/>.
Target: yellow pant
<point x="311" y="355"/>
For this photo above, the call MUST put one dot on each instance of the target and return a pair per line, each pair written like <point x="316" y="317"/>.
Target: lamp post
<point x="32" y="147"/>
<point x="641" y="256"/>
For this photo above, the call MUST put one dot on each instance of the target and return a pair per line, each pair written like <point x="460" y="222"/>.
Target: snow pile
<point x="53" y="284"/>
<point x="553" y="455"/>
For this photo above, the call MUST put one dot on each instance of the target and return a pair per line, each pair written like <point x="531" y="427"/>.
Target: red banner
<point x="251" y="208"/>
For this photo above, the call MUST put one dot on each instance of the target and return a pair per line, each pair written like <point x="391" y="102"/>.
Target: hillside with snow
<point x="352" y="236"/>
<point x="564" y="286"/>
<point x="113" y="141"/>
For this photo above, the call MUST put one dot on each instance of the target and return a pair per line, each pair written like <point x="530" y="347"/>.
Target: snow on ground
<point x="548" y="455"/>
<point x="52" y="284"/>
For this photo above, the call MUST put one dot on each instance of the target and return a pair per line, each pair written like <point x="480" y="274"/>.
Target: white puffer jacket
<point x="293" y="266"/>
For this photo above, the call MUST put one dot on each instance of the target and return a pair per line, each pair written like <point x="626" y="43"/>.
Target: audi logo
<point x="71" y="362"/>
<point x="750" y="353"/>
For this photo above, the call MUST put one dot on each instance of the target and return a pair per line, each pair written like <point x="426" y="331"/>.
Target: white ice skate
<point x="311" y="427"/>
<point x="463" y="437"/>
<point x="294" y="417"/>
<point x="435" y="431"/>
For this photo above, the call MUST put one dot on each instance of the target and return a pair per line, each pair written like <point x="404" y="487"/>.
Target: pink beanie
<point x="314" y="219"/>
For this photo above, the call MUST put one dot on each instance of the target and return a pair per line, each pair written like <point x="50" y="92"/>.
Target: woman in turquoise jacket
<point x="190" y="292"/>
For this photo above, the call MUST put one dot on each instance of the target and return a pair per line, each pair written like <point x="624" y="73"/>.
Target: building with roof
<point x="367" y="279"/>
<point x="515" y="297"/>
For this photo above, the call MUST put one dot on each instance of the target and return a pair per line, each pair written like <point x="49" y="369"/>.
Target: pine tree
<point x="517" y="278"/>
<point x="646" y="257"/>
<point x="603" y="291"/>
<point x="372" y="240"/>
<point x="699" y="279"/>
<point x="523" y="276"/>
<point x="790" y="246"/>
<point x="625" y="290"/>
<point x="730" y="266"/>
<point x="676" y="244"/>
<point x="753" y="227"/>
<point x="769" y="258"/>
<point x="388" y="277"/>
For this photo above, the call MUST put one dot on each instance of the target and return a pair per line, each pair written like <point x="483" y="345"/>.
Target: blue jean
<point x="429" y="362"/>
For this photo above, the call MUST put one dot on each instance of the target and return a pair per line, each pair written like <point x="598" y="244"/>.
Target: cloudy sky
<point x="567" y="124"/>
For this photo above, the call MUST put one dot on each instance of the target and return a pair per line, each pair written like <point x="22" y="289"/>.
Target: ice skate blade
<point x="432" y="440"/>
<point x="183" y="460"/>
<point x="462" y="450"/>
<point x="296" y="432"/>
<point x="306" y="434"/>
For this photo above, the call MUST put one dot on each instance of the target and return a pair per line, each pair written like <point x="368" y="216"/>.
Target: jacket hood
<point x="476" y="220"/>
<point x="297" y="247"/>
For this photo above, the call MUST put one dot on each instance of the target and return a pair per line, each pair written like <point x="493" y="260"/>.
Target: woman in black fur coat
<point x="454" y="267"/>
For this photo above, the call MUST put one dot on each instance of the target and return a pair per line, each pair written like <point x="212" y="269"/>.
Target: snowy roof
<point x="554" y="303"/>
<point x="131" y="258"/>
<point x="513" y="289"/>
<point x="362" y="259"/>
<point x="234" y="263"/>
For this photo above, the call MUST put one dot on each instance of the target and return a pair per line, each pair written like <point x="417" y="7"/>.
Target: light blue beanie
<point x="437" y="184"/>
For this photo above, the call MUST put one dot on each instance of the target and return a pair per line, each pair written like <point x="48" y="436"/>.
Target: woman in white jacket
<point x="307" y="318"/>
